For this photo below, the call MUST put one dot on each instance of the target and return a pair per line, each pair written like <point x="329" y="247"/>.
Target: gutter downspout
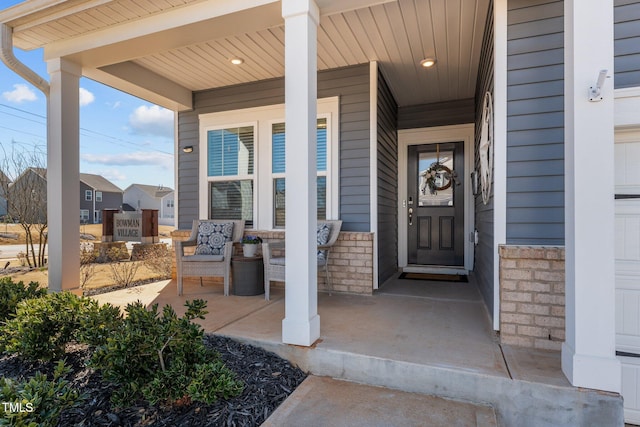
<point x="9" y="59"/>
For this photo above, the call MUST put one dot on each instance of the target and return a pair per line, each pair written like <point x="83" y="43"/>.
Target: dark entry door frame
<point x="436" y="135"/>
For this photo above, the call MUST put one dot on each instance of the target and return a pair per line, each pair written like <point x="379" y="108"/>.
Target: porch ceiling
<point x="178" y="46"/>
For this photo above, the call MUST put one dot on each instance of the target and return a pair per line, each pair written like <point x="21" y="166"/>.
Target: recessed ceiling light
<point x="428" y="62"/>
<point x="236" y="61"/>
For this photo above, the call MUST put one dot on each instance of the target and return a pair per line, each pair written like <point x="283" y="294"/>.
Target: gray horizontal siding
<point x="387" y="182"/>
<point x="483" y="263"/>
<point x="627" y="43"/>
<point x="351" y="84"/>
<point x="535" y="122"/>
<point x="436" y="114"/>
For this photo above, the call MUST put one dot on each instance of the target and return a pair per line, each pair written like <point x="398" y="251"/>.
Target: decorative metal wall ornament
<point x="486" y="148"/>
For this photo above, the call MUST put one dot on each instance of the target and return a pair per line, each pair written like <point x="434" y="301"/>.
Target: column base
<point x="599" y="373"/>
<point x="301" y="332"/>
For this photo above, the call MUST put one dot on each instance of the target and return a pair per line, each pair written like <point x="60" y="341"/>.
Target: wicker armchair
<point x="207" y="265"/>
<point x="274" y="259"/>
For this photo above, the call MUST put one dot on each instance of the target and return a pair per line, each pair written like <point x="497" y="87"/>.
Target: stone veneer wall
<point x="532" y="299"/>
<point x="350" y="262"/>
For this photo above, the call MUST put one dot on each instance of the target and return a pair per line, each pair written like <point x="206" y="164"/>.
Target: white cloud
<point x="20" y="93"/>
<point x="138" y="158"/>
<point x="86" y="97"/>
<point x="153" y="121"/>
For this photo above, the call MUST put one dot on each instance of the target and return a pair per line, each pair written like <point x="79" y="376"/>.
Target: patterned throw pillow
<point x="212" y="237"/>
<point x="324" y="230"/>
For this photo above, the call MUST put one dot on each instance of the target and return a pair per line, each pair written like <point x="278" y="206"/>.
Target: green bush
<point x="162" y="357"/>
<point x="37" y="402"/>
<point x="43" y="326"/>
<point x="11" y="293"/>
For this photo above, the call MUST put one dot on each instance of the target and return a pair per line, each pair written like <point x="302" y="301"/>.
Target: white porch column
<point x="301" y="324"/>
<point x="588" y="354"/>
<point x="63" y="174"/>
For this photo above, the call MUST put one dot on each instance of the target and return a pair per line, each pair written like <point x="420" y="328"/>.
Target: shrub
<point x="11" y="293"/>
<point x="87" y="267"/>
<point x="37" y="402"/>
<point x="162" y="357"/>
<point x="123" y="273"/>
<point x="157" y="258"/>
<point x="43" y="326"/>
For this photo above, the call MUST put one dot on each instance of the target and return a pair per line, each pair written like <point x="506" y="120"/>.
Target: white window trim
<point x="264" y="117"/>
<point x="98" y="199"/>
<point x="83" y="217"/>
<point x="88" y="195"/>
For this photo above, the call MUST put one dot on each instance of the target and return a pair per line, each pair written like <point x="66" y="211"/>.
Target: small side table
<point x="248" y="275"/>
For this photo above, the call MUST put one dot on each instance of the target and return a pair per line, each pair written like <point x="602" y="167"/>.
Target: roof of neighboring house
<point x="152" y="190"/>
<point x="41" y="172"/>
<point x="99" y="183"/>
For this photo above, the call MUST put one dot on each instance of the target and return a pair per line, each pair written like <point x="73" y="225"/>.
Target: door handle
<point x="410" y="216"/>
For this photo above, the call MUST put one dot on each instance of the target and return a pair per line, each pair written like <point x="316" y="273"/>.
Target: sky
<point x="123" y="138"/>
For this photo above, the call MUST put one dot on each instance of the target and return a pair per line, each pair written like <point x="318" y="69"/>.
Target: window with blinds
<point x="230" y="151"/>
<point x="278" y="170"/>
<point x="230" y="164"/>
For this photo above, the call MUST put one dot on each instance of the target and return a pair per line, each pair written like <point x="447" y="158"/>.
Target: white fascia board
<point x="27" y="8"/>
<point x="58" y="12"/>
<point x="175" y="28"/>
<point x="140" y="82"/>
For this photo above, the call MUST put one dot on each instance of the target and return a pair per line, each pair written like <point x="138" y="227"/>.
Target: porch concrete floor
<point x="441" y="324"/>
<point x="433" y="338"/>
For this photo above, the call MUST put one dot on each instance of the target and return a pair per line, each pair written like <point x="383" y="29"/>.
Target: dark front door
<point x="435" y="204"/>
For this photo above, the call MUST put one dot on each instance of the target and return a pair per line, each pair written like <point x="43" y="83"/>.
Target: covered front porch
<point x="365" y="59"/>
<point x="426" y="337"/>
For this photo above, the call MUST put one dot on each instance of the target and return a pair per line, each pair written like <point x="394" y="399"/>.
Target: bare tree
<point x="24" y="185"/>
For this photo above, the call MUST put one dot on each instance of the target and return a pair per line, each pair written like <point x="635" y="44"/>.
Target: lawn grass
<point x="100" y="279"/>
<point x="102" y="273"/>
<point x="94" y="230"/>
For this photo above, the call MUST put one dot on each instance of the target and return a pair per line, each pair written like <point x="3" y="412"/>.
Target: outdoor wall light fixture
<point x="428" y="62"/>
<point x="188" y="149"/>
<point x="595" y="94"/>
<point x="236" y="61"/>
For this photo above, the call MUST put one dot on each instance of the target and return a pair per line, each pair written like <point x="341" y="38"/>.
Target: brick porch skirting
<point x="350" y="263"/>
<point x="532" y="298"/>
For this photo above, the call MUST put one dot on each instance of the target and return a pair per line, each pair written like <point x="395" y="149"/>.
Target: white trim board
<point x="434" y="135"/>
<point x="373" y="164"/>
<point x="499" y="147"/>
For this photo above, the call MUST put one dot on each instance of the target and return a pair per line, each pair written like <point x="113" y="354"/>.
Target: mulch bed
<point x="268" y="381"/>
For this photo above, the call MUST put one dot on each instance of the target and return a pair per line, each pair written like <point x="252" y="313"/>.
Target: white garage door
<point x="627" y="179"/>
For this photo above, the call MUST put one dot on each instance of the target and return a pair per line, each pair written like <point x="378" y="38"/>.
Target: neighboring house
<point x="97" y="193"/>
<point x="4" y="185"/>
<point x="533" y="105"/>
<point x="140" y="196"/>
<point x="27" y="196"/>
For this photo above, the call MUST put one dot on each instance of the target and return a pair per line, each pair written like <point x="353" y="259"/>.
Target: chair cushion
<point x="210" y="258"/>
<point x="212" y="237"/>
<point x="324" y="231"/>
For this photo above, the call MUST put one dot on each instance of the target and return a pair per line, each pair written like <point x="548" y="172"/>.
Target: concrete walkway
<point x="428" y="338"/>
<point x="321" y="401"/>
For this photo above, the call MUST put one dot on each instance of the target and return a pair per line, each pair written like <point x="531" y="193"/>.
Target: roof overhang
<point x="165" y="53"/>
